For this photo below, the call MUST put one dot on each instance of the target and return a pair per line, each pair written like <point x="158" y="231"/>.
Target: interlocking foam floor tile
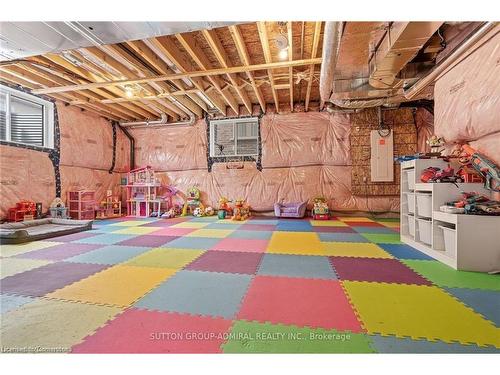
<point x="301" y="243"/>
<point x="190" y="224"/>
<point x="148" y="241"/>
<point x="210" y="233"/>
<point x="13" y="250"/>
<point x="341" y="237"/>
<point x="207" y="219"/>
<point x="12" y="266"/>
<point x="485" y="302"/>
<point x="40" y="281"/>
<point x="9" y="303"/>
<point x="368" y="224"/>
<point x="129" y="223"/>
<point x="253" y="337"/>
<point x="382" y="238"/>
<point x="112" y="254"/>
<point x="328" y="223"/>
<point x="52" y="324"/>
<point x="262" y="220"/>
<point x="142" y="331"/>
<point x="197" y="292"/>
<point x="76" y="236"/>
<point x="358" y="250"/>
<point x="227" y="261"/>
<point x="251" y="234"/>
<point x="120" y="285"/>
<point x="60" y="252"/>
<point x="355" y="219"/>
<point x="106" y="229"/>
<point x="172" y="232"/>
<point x="376" y="270"/>
<point x="418" y="311"/>
<point x="391" y="225"/>
<point x="402" y="251"/>
<point x="345" y="229"/>
<point x="379" y="230"/>
<point x="137" y="230"/>
<point x="257" y="227"/>
<point x="442" y="275"/>
<point x="241" y="245"/>
<point x="304" y="302"/>
<point x="294" y="226"/>
<point x="105" y="239"/>
<point x="200" y="243"/>
<point x="161" y="224"/>
<point x="303" y="266"/>
<point x="166" y="258"/>
<point x="406" y="345"/>
<point x="223" y="225"/>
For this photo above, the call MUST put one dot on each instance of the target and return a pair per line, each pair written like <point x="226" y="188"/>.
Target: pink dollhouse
<point x="142" y="195"/>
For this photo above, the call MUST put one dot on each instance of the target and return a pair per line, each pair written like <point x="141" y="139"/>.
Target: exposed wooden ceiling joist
<point x="267" y="55"/>
<point x="315" y="45"/>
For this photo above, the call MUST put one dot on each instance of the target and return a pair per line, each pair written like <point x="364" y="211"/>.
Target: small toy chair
<point x="296" y="209"/>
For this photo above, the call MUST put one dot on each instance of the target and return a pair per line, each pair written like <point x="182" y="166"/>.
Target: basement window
<point x="26" y="119"/>
<point x="234" y="137"/>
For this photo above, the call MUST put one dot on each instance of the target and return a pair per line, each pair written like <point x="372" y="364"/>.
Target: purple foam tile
<point x="326" y="229"/>
<point x="60" y="252"/>
<point x="264" y="227"/>
<point x="75" y="236"/>
<point x="376" y="270"/>
<point x="46" y="279"/>
<point x="161" y="223"/>
<point x="148" y="241"/>
<point x="227" y="261"/>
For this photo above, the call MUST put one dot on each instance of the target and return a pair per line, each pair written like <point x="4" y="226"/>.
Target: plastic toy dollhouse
<point x="142" y="195"/>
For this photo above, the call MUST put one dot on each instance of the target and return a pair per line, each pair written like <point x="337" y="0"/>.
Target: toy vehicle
<point x="469" y="175"/>
<point x="433" y="174"/>
<point x="320" y="209"/>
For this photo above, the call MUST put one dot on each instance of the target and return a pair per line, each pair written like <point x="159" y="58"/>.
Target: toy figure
<point x="241" y="210"/>
<point x="192" y="201"/>
<point x="209" y="211"/>
<point x="224" y="208"/>
<point x="320" y="209"/>
<point x="435" y="143"/>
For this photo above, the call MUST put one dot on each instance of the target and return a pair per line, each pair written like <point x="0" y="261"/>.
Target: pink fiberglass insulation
<point x="25" y="175"/>
<point x="467" y="101"/>
<point x="424" y="121"/>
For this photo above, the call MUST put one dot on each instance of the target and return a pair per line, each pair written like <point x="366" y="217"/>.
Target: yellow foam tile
<point x="390" y="224"/>
<point x="136" y="230"/>
<point x="419" y="311"/>
<point x="12" y="266"/>
<point x="52" y="324"/>
<point x="13" y="250"/>
<point x="191" y="224"/>
<point x="119" y="285"/>
<point x="328" y="223"/>
<point x="129" y="223"/>
<point x="213" y="233"/>
<point x="300" y="243"/>
<point x="355" y="249"/>
<point x="165" y="257"/>
<point x="355" y="218"/>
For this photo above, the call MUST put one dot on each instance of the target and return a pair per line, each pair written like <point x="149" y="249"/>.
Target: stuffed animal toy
<point x="241" y="210"/>
<point x="209" y="211"/>
<point x="198" y="212"/>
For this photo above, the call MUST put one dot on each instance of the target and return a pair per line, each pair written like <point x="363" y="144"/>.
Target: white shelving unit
<point x="473" y="240"/>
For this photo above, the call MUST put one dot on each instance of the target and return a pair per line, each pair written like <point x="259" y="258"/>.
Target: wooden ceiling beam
<point x="290" y="58"/>
<point x="264" y="41"/>
<point x="196" y="53"/>
<point x="315" y="45"/>
<point x="221" y="55"/>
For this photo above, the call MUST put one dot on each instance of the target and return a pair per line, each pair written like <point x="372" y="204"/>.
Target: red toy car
<point x="433" y="174"/>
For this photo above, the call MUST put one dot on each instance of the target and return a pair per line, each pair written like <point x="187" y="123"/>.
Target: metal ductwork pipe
<point x="331" y="46"/>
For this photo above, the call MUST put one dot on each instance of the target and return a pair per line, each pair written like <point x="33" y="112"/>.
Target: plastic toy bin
<point x="450" y="243"/>
<point x="424" y="205"/>
<point x="425" y="231"/>
<point x="410" y="198"/>
<point x="411" y="224"/>
<point x="410" y="176"/>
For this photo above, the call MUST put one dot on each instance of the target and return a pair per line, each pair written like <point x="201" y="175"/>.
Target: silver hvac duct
<point x="331" y="45"/>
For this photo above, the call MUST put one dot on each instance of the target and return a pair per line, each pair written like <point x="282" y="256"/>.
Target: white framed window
<point x="26" y="119"/>
<point x="234" y="137"/>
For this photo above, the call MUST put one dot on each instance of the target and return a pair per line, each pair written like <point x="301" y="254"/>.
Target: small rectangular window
<point x="26" y="119"/>
<point x="234" y="137"/>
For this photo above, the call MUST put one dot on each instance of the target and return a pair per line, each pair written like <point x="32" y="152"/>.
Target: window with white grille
<point x="26" y="119"/>
<point x="234" y="137"/>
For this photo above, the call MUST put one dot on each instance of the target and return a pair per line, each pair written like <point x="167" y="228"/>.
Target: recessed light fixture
<point x="129" y="91"/>
<point x="283" y="54"/>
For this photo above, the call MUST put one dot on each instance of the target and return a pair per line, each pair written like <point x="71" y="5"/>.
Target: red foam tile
<point x="302" y="302"/>
<point x="363" y="224"/>
<point x="376" y="270"/>
<point x="176" y="232"/>
<point x="227" y="261"/>
<point x="143" y="331"/>
<point x="241" y="244"/>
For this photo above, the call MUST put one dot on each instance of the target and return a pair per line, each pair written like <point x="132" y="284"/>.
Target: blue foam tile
<point x="341" y="237"/>
<point x="402" y="251"/>
<point x="263" y="221"/>
<point x="251" y="234"/>
<point x="383" y="344"/>
<point x="485" y="302"/>
<point x="198" y="292"/>
<point x="297" y="266"/>
<point x="9" y="303"/>
<point x="223" y="225"/>
<point x="377" y="230"/>
<point x="106" y="238"/>
<point x="294" y="226"/>
<point x="204" y="219"/>
<point x="112" y="254"/>
<point x="202" y="243"/>
<point x="107" y="229"/>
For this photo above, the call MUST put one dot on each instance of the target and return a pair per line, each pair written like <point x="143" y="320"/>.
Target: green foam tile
<point x="253" y="337"/>
<point x="442" y="275"/>
<point x="382" y="237"/>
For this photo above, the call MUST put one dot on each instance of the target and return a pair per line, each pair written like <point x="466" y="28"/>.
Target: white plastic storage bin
<point x="410" y="198"/>
<point x="424" y="204"/>
<point x="410" y="176"/>
<point x="425" y="231"/>
<point x="450" y="242"/>
<point x="411" y="224"/>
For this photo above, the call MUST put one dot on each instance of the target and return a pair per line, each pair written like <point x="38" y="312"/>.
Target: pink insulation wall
<point x="303" y="155"/>
<point x="86" y="156"/>
<point x="467" y="101"/>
